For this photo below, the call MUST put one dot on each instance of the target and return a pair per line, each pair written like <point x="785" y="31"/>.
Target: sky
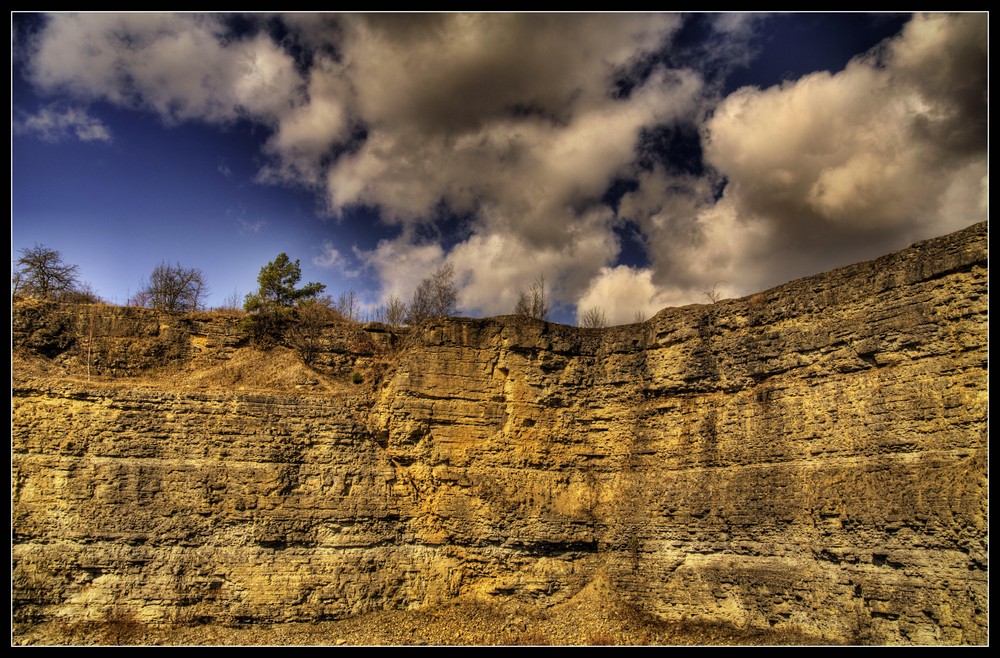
<point x="632" y="161"/>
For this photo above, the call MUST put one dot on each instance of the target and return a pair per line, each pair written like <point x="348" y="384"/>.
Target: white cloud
<point x="331" y="258"/>
<point x="401" y="264"/>
<point x="495" y="266"/>
<point x="507" y="112"/>
<point x="622" y="292"/>
<point x="695" y="243"/>
<point x="250" y="228"/>
<point x="827" y="170"/>
<point x="175" y="65"/>
<point x="54" y="124"/>
<point x="509" y="119"/>
<point x="530" y="171"/>
<point x="739" y="24"/>
<point x="455" y="73"/>
<point x="872" y="149"/>
<point x="309" y="130"/>
<point x="506" y="117"/>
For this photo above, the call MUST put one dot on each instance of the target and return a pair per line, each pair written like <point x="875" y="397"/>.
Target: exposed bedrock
<point x="813" y="456"/>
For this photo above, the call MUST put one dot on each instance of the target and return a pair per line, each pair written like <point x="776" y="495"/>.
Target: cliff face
<point x="811" y="457"/>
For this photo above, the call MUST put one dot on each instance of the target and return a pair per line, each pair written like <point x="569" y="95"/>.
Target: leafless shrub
<point x="533" y="302"/>
<point x="435" y="297"/>
<point x="42" y="273"/>
<point x="306" y="331"/>
<point x="714" y="294"/>
<point x="348" y="306"/>
<point x="395" y="310"/>
<point x="594" y="318"/>
<point x="173" y="289"/>
<point x="232" y="302"/>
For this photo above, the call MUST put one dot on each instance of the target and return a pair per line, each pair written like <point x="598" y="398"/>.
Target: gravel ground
<point x="593" y="617"/>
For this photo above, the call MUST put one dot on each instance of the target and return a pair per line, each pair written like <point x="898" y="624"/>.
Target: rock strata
<point x="809" y="459"/>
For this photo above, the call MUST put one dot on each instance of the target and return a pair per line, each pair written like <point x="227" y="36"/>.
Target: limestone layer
<point x="810" y="457"/>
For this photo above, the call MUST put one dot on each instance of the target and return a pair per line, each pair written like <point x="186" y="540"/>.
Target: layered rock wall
<point x="813" y="456"/>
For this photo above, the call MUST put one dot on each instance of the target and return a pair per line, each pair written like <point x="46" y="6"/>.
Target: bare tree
<point x="594" y="318"/>
<point x="312" y="316"/>
<point x="82" y="293"/>
<point x="140" y="297"/>
<point x="16" y="282"/>
<point x="435" y="297"/>
<point x="42" y="273"/>
<point x="639" y="316"/>
<point x="348" y="305"/>
<point x="395" y="310"/>
<point x="232" y="302"/>
<point x="714" y="294"/>
<point x="533" y="302"/>
<point x="172" y="288"/>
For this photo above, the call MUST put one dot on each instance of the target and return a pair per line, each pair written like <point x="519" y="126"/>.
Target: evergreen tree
<point x="274" y="304"/>
<point x="277" y="289"/>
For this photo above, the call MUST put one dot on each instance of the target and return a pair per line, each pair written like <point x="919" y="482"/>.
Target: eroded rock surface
<point x="813" y="457"/>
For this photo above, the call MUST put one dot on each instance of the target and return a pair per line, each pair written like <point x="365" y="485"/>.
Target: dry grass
<point x="276" y="369"/>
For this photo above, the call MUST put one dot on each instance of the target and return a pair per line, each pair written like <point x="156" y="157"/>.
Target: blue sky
<point x="634" y="161"/>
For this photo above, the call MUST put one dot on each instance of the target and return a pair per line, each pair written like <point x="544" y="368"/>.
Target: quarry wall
<point x="813" y="456"/>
